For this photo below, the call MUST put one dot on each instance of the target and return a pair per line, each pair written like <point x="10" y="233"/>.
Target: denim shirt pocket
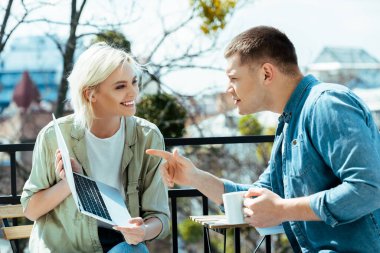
<point x="299" y="164"/>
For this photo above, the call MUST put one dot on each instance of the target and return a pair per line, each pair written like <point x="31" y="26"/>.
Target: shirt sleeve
<point x="155" y="201"/>
<point x="262" y="182"/>
<point x="346" y="137"/>
<point x="42" y="175"/>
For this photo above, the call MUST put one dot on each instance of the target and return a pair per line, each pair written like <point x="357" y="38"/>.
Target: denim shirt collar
<point x="296" y="97"/>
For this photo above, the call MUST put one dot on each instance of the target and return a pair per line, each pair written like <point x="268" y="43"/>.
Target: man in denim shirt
<point x="323" y="179"/>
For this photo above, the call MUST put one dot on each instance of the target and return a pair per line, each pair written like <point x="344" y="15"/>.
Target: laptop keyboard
<point x="90" y="197"/>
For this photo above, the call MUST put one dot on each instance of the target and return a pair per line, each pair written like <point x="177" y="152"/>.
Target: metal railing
<point x="174" y="194"/>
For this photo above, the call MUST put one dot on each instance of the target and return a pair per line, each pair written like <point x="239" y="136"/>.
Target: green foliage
<point x="282" y="244"/>
<point x="249" y="125"/>
<point x="190" y="231"/>
<point x="264" y="149"/>
<point x="114" y="38"/>
<point x="217" y="245"/>
<point x="166" y="112"/>
<point x="213" y="13"/>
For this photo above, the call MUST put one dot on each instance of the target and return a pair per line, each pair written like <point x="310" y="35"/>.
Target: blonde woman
<point x="107" y="143"/>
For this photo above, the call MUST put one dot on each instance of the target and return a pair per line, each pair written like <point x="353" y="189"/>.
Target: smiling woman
<point x="102" y="75"/>
<point x="114" y="97"/>
<point x="107" y="143"/>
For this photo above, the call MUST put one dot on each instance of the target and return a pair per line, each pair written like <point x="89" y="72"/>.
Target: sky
<point x="310" y="24"/>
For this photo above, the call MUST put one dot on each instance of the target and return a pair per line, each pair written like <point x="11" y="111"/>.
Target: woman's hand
<point x="134" y="234"/>
<point x="59" y="169"/>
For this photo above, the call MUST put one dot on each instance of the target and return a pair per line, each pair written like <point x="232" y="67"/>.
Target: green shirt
<point x="65" y="229"/>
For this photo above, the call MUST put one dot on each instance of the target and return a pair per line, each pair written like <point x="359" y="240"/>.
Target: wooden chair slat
<point x="216" y="222"/>
<point x="10" y="232"/>
<point x="11" y="211"/>
<point x="17" y="232"/>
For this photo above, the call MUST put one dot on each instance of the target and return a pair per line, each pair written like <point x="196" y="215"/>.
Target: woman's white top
<point x="105" y="155"/>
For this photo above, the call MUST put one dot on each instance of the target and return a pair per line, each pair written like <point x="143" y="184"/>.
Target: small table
<point x="219" y="224"/>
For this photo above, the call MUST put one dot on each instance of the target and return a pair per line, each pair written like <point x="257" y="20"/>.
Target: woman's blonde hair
<point x="92" y="67"/>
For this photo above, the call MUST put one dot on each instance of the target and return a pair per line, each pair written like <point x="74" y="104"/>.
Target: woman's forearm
<point x="45" y="200"/>
<point x="153" y="228"/>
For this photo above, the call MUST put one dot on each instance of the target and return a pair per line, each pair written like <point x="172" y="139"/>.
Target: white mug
<point x="233" y="207"/>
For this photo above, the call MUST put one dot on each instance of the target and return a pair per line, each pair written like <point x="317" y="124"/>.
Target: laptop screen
<point x="65" y="159"/>
<point x="87" y="194"/>
<point x="90" y="197"/>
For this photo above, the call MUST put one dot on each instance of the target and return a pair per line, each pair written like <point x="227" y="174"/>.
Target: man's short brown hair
<point x="264" y="43"/>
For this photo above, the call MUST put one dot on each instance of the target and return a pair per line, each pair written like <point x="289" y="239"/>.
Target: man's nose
<point x="229" y="89"/>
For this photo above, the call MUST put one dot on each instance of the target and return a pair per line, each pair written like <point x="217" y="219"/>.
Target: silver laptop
<point x="93" y="198"/>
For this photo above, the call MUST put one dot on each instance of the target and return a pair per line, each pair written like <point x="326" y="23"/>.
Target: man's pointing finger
<point x="161" y="153"/>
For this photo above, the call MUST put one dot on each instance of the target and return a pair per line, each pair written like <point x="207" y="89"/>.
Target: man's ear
<point x="268" y="70"/>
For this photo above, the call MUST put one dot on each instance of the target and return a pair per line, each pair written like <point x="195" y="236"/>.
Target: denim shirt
<point x="329" y="149"/>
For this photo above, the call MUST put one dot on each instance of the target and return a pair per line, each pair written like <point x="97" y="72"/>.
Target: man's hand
<point x="265" y="209"/>
<point x="177" y="169"/>
<point x="59" y="169"/>
<point x="135" y="234"/>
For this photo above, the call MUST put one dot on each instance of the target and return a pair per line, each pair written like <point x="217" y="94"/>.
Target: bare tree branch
<point x="56" y="42"/>
<point x="68" y="56"/>
<point x="188" y="66"/>
<point x="4" y="35"/>
<point x="166" y="34"/>
<point x="87" y="34"/>
<point x="81" y="9"/>
<point x="45" y="20"/>
<point x="5" y="21"/>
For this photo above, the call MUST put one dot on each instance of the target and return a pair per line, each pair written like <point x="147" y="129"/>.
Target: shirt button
<point x="294" y="142"/>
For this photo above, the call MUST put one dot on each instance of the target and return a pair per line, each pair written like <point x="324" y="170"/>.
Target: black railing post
<point x="205" y="205"/>
<point x="205" y="232"/>
<point x="268" y="246"/>
<point x="13" y="174"/>
<point x="237" y="240"/>
<point x="174" y="225"/>
<point x="14" y="188"/>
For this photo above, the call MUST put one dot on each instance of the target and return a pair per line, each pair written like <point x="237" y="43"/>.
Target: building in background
<point x="39" y="56"/>
<point x="354" y="68"/>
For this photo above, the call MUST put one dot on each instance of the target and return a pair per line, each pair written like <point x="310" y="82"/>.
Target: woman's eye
<point x="120" y="87"/>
